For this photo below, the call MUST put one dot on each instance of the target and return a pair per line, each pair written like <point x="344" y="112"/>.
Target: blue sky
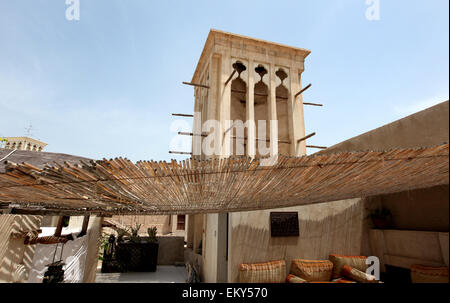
<point x="105" y="86"/>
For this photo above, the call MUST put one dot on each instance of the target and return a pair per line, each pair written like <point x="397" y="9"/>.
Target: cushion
<point x="357" y="262"/>
<point x="268" y="272"/>
<point x="342" y="280"/>
<point x="427" y="274"/>
<point x="294" y="279"/>
<point x="357" y="275"/>
<point x="312" y="270"/>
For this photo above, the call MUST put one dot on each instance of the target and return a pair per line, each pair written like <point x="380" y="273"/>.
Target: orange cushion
<point x="428" y="274"/>
<point x="294" y="279"/>
<point x="358" y="262"/>
<point x="342" y="280"/>
<point x="268" y="272"/>
<point x="312" y="270"/>
<point x="357" y="275"/>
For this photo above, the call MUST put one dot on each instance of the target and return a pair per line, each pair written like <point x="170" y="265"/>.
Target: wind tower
<point x="245" y="79"/>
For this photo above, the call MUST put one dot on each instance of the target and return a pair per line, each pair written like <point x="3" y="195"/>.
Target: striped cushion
<point x="312" y="270"/>
<point x="268" y="272"/>
<point x="357" y="275"/>
<point x="427" y="274"/>
<point x="358" y="262"/>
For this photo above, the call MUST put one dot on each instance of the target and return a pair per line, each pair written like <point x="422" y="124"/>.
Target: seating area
<point x="337" y="269"/>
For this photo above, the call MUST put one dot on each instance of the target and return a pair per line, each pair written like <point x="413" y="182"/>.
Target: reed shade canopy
<point x="119" y="186"/>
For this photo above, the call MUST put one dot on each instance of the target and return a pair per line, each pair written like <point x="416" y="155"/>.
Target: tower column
<point x="298" y="121"/>
<point x="272" y="111"/>
<point x="250" y="112"/>
<point x="225" y="103"/>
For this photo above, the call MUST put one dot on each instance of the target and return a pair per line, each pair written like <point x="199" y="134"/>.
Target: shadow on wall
<point x="15" y="256"/>
<point x="335" y="227"/>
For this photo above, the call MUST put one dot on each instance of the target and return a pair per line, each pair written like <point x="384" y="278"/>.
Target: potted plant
<point x="151" y="250"/>
<point x="135" y="234"/>
<point x="138" y="255"/>
<point x="128" y="251"/>
<point x="381" y="218"/>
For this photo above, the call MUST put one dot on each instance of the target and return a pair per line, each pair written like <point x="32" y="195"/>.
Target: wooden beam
<point x="48" y="212"/>
<point x="84" y="227"/>
<point x="303" y="90"/>
<point x="192" y="134"/>
<point x="306" y="137"/>
<point x="180" y="153"/>
<point x="183" y="115"/>
<point x="315" y="146"/>
<point x="59" y="226"/>
<point x="313" y="104"/>
<point x="196" y="84"/>
<point x="230" y="77"/>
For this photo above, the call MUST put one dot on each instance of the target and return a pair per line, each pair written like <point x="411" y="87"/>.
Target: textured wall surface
<point x="15" y="257"/>
<point x="171" y="250"/>
<point x="336" y="227"/>
<point x="94" y="238"/>
<point x="425" y="128"/>
<point x="424" y="209"/>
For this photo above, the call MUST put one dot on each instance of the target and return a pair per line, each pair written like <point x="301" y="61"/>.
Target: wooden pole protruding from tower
<point x="303" y="90"/>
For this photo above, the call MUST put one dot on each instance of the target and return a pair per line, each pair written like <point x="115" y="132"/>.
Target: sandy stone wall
<point x="15" y="256"/>
<point x="324" y="229"/>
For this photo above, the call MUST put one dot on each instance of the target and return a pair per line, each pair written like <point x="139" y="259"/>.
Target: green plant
<point x="104" y="240"/>
<point x="121" y="233"/>
<point x="135" y="233"/>
<point x="152" y="234"/>
<point x="2" y="141"/>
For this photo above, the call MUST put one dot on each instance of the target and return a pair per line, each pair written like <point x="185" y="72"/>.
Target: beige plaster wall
<point x="163" y="223"/>
<point x="326" y="228"/>
<point x="425" y="128"/>
<point x="15" y="256"/>
<point x="94" y="237"/>
<point x="210" y="248"/>
<point x="171" y="250"/>
<point x="403" y="248"/>
<point x="421" y="209"/>
<point x="94" y="234"/>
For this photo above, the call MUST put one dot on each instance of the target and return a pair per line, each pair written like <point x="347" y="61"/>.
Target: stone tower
<point x="244" y="79"/>
<point x="24" y="143"/>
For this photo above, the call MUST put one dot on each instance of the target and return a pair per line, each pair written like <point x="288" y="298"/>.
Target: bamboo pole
<point x="315" y="146"/>
<point x="230" y="77"/>
<point x="192" y="134"/>
<point x="303" y="90"/>
<point x="306" y="137"/>
<point x="196" y="84"/>
<point x="183" y="115"/>
<point x="180" y="153"/>
<point x="313" y="104"/>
